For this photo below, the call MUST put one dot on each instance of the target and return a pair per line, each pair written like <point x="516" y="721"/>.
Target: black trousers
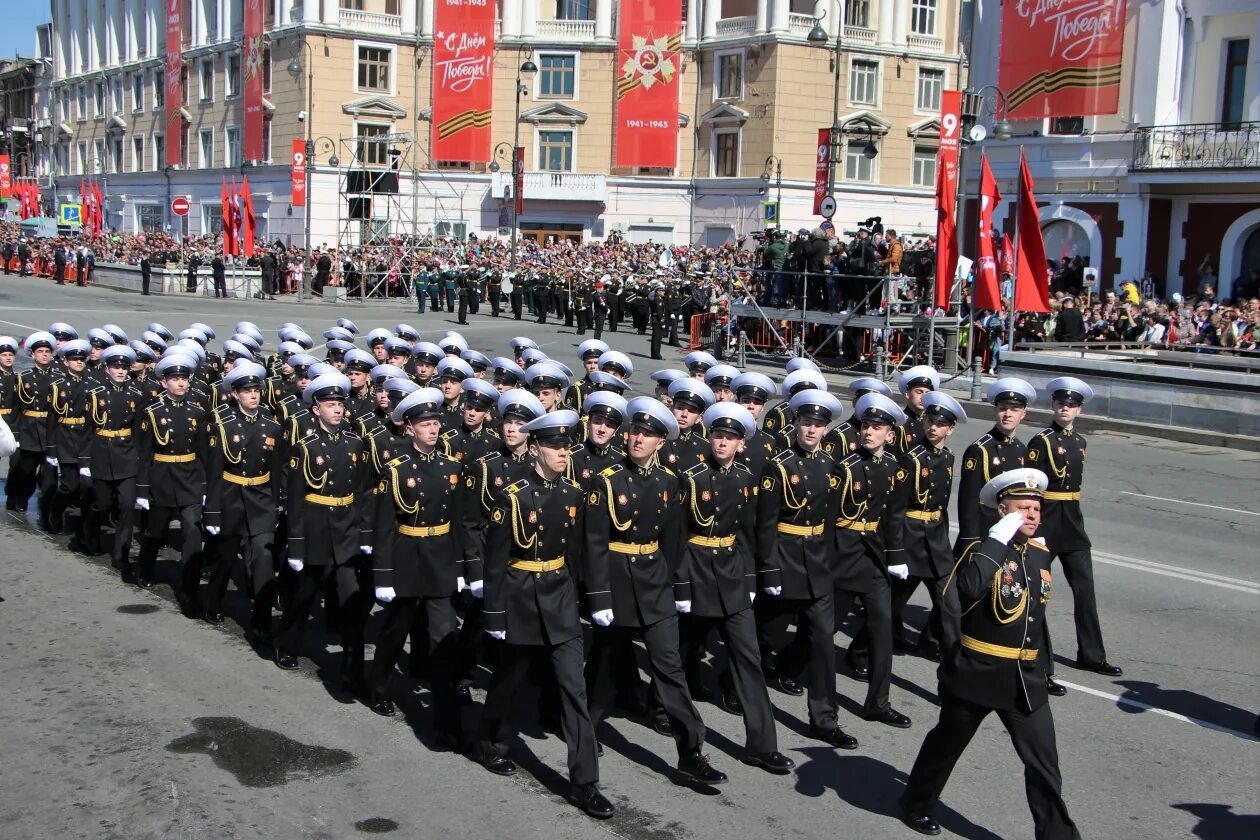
<point x="450" y="298"/>
<point x="251" y="554"/>
<point x="575" y="717"/>
<point x="156" y="530"/>
<point x="495" y="302"/>
<point x="658" y="335"/>
<point x="518" y="304"/>
<point x="28" y="473"/>
<point x="438" y="636"/>
<point x="739" y="635"/>
<point x="610" y="645"/>
<point x="1032" y="734"/>
<point x="220" y="287"/>
<point x="583" y="317"/>
<point x="463" y="307"/>
<point x="599" y="323"/>
<point x="118" y="495"/>
<point x="73" y="490"/>
<point x="874" y="639"/>
<point x="812" y="653"/>
<point x="350" y="605"/>
<point x="1078" y="567"/>
<point x="944" y="624"/>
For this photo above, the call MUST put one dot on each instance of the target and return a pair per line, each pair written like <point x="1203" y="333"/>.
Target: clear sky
<point x="20" y="17"/>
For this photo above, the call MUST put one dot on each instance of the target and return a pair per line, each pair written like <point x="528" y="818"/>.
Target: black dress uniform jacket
<point x="867" y="540"/>
<point x="468" y="446"/>
<point x="909" y="434"/>
<point x="172" y="453"/>
<point x="417" y="520"/>
<point x="688" y="449"/>
<point x="758" y="450"/>
<point x="34" y="394"/>
<point x="1060" y="454"/>
<point x="326" y="467"/>
<point x="484" y="481"/>
<point x="844" y="439"/>
<point x="587" y="461"/>
<point x="114" y="413"/>
<point x="796" y="513"/>
<point x="244" y="475"/>
<point x="720" y="520"/>
<point x="991" y="454"/>
<point x="920" y="507"/>
<point x="8" y="395"/>
<point x="68" y="434"/>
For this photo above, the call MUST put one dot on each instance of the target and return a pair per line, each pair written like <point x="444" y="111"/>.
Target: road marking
<point x="1184" y="502"/>
<point x="1146" y="707"/>
<point x="16" y="324"/>
<point x="1151" y="564"/>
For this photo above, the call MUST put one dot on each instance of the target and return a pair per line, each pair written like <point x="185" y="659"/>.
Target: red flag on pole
<point x="1032" y="283"/>
<point x="225" y="210"/>
<point x="1008" y="256"/>
<point x="100" y="207"/>
<point x="986" y="294"/>
<point x="247" y="219"/>
<point x="946" y="240"/>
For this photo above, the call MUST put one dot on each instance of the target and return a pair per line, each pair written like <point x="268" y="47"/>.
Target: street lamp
<point x="818" y="37"/>
<point x="295" y="69"/>
<point x="989" y="99"/>
<point x="526" y="68"/>
<point x="778" y="185"/>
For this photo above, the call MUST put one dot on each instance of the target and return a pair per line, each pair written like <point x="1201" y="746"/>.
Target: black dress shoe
<point x="599" y="749"/>
<point x="662" y="726"/>
<point x="729" y="702"/>
<point x="463" y="693"/>
<point x="890" y="717"/>
<point x="861" y="669"/>
<point x="837" y="737"/>
<point x="789" y="686"/>
<point x="383" y="707"/>
<point x="1105" y="668"/>
<point x="696" y="768"/>
<point x="921" y="823"/>
<point x="213" y="617"/>
<point x="772" y="762"/>
<point x="500" y="765"/>
<point x="128" y="575"/>
<point x="286" y="661"/>
<point x="1053" y="688"/>
<point x="144" y="582"/>
<point x="591" y="801"/>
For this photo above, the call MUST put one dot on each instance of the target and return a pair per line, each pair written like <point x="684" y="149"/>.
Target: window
<point x="266" y="141"/>
<point x="159" y="90"/>
<point x="266" y="69"/>
<point x="857" y="166"/>
<point x="118" y="95"/>
<point x="206" y="76"/>
<point x="1068" y="126"/>
<point x="63" y="158"/>
<point x="923" y="17"/>
<point x="83" y="158"/>
<point x="726" y="153"/>
<point x="555" y="151"/>
<point x="64" y="99"/>
<point x="137" y="154"/>
<point x="450" y="229"/>
<point x="183" y="84"/>
<point x="149" y="218"/>
<point x="142" y="36"/>
<point x="729" y="75"/>
<point x="207" y="148"/>
<point x="98" y="156"/>
<point x="137" y="92"/>
<point x="232" y="78"/>
<point x="374" y="66"/>
<point x="1233" y="104"/>
<point x="373" y="147"/>
<point x="928" y="96"/>
<point x="117" y="163"/>
<point x="557" y="73"/>
<point x="573" y="9"/>
<point x="352" y="5"/>
<point x="185" y="144"/>
<point x="924" y="174"/>
<point x="863" y="82"/>
<point x="82" y="96"/>
<point x="159" y="152"/>
<point x="98" y="99"/>
<point x="211" y="219"/>
<point x="232" y="146"/>
<point x="858" y="14"/>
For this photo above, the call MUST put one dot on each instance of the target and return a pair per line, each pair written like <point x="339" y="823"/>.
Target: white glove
<point x="212" y="530"/>
<point x="602" y="617"/>
<point x="86" y="472"/>
<point x="385" y="594"/>
<point x="901" y="570"/>
<point x="683" y="606"/>
<point x="476" y="588"/>
<point x="1006" y="527"/>
<point x="296" y="564"/>
<point x="52" y="462"/>
<point x="460" y="584"/>
<point x="776" y="591"/>
<point x="203" y="501"/>
<point x="752" y="597"/>
<point x="501" y="635"/>
<point x="365" y="549"/>
<point x="142" y="504"/>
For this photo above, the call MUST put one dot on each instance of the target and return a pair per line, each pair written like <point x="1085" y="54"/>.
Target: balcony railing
<point x="800" y="25"/>
<point x="1167" y="148"/>
<point x="553" y="186"/>
<point x="370" y="22"/>
<point x="924" y="43"/>
<point x="578" y="31"/>
<point x="859" y="35"/>
<point x="736" y="26"/>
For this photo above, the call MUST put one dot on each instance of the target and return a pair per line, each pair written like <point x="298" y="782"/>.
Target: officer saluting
<point x="1004" y="585"/>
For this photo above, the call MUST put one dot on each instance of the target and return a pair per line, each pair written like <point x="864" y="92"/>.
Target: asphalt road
<point x="120" y="718"/>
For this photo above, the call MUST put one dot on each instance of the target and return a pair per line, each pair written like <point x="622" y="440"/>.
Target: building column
<point x="692" y="32"/>
<point x="529" y="18"/>
<point x="712" y="11"/>
<point x="901" y="21"/>
<point x="603" y="20"/>
<point x="426" y="17"/>
<point x="779" y="15"/>
<point x="763" y="16"/>
<point x="885" y="23"/>
<point x="511" y="21"/>
<point x="407" y="11"/>
<point x="310" y="11"/>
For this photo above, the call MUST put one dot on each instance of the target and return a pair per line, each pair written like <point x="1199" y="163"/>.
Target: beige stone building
<point x="753" y="93"/>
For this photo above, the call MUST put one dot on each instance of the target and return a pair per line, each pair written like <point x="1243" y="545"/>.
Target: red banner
<point x="986" y="294"/>
<point x="1032" y="283"/>
<point x="648" y="68"/>
<point x="1007" y="256"/>
<point x="822" y="168"/>
<point x="174" y="67"/>
<point x="518" y="181"/>
<point x="1061" y="57"/>
<point x="249" y="227"/>
<point x="297" y="174"/>
<point x="946" y="193"/>
<point x="463" y="80"/>
<point x="6" y="177"/>
<point x="253" y="70"/>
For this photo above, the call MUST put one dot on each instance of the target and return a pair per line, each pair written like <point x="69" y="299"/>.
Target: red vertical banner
<point x="249" y="227"/>
<point x="822" y="168"/>
<point x="987" y="292"/>
<point x="297" y="174"/>
<point x="518" y="181"/>
<point x="253" y="88"/>
<point x="463" y="80"/>
<point x="1007" y="256"/>
<point x="1032" y="283"/>
<point x="174" y="66"/>
<point x="649" y="58"/>
<point x="6" y="177"/>
<point x="946" y="192"/>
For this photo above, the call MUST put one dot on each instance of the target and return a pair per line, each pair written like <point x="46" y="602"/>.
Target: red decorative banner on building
<point x="648" y="68"/>
<point x="253" y="69"/>
<point x="297" y="174"/>
<point x="946" y="192"/>
<point x="518" y="180"/>
<point x="1061" y="57"/>
<point x="463" y="80"/>
<point x="174" y="68"/>
<point x="822" y="168"/>
<point x="6" y="177"/>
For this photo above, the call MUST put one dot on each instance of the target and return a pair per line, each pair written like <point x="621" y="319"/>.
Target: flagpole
<point x="1010" y="342"/>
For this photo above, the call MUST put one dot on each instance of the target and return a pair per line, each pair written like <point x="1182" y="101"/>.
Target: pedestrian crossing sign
<point x="770" y="212"/>
<point x="70" y="214"/>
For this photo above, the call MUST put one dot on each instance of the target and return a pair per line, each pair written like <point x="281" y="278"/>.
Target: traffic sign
<point x="828" y="207"/>
<point x="828" y="228"/>
<point x="179" y="206"/>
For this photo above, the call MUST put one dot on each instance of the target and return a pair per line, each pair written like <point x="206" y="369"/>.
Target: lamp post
<point x="295" y="68"/>
<point x="778" y="185"/>
<point x="818" y="37"/>
<point x="529" y="68"/>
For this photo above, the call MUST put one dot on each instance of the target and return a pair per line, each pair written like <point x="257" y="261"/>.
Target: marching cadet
<point x="171" y="479"/>
<point x="547" y="381"/>
<point x="1003" y="585"/>
<point x="506" y="374"/>
<point x="362" y="398"/>
<point x="689" y="398"/>
<point x="845" y="438"/>
<point x="68" y="435"/>
<point x="114" y="412"/>
<point x="719" y="379"/>
<point x="425" y="356"/>
<point x="243" y="493"/>
<point x="478" y="361"/>
<point x="663" y="379"/>
<point x="1059" y="452"/>
<point x="796" y="514"/>
<point x="778" y="421"/>
<point x="589" y="352"/>
<point x="618" y="364"/>
<point x="519" y="345"/>
<point x="417" y="561"/>
<point x="632" y="581"/>
<point x="475" y="436"/>
<point x="913" y="384"/>
<point x="720" y="500"/>
<point x="398" y="353"/>
<point x="448" y="377"/>
<point x="698" y="363"/>
<point x="752" y="391"/>
<point x="142" y="375"/>
<point x="925" y="478"/>
<point x="603" y="412"/>
<point x="383" y="437"/>
<point x="531" y="606"/>
<point x="327" y="526"/>
<point x="33" y="390"/>
<point x="8" y="387"/>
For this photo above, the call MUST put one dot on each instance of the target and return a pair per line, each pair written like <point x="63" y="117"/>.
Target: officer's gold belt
<point x="711" y="542"/>
<point x="72" y="421"/>
<point x="425" y="530"/>
<point x="244" y="481"/>
<point x="329" y="501"/>
<point x="35" y="415"/>
<point x="924" y="515"/>
<point x="1061" y="496"/>
<point x="174" y="459"/>
<point x="5" y="412"/>
<point x="801" y="530"/>
<point x="113" y="433"/>
<point x="1000" y="651"/>
<point x="537" y="566"/>
<point x="634" y="548"/>
<point x="858" y="525"/>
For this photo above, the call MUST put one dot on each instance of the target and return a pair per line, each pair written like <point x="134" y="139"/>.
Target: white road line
<point x="1184" y="502"/>
<point x="1125" y="701"/>
<point x="16" y="324"/>
<point x="1240" y="586"/>
<point x="1151" y="564"/>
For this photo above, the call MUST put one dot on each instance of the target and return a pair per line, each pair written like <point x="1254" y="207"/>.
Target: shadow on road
<point x="1200" y="709"/>
<point x="1219" y="822"/>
